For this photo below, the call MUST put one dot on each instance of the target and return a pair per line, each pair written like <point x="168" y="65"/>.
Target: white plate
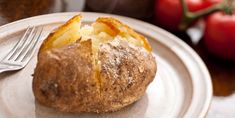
<point x="182" y="86"/>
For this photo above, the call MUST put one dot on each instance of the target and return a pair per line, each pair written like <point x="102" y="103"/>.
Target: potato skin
<point x="65" y="78"/>
<point x="126" y="71"/>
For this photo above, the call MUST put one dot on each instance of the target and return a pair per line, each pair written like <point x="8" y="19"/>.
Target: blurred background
<point x="152" y="11"/>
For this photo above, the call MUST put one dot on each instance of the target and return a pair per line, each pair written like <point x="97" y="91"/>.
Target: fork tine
<point x="27" y="46"/>
<point x="17" y="44"/>
<point x="32" y="48"/>
<point x="21" y="47"/>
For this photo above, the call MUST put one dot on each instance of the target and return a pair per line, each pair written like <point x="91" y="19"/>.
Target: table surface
<point x="222" y="71"/>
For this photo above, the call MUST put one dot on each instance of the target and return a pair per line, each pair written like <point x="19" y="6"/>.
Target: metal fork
<point x="22" y="52"/>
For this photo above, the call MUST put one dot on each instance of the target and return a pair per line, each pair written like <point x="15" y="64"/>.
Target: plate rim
<point x="171" y="37"/>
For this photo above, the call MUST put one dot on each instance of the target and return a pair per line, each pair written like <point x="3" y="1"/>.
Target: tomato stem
<point x="228" y="7"/>
<point x="184" y="8"/>
<point x="188" y="17"/>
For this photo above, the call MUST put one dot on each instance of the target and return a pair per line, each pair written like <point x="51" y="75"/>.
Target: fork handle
<point x="3" y="68"/>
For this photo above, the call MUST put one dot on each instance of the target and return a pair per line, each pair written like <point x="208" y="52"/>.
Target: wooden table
<point x="222" y="71"/>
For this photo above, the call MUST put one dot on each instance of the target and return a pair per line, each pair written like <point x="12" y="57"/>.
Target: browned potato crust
<point x="63" y="78"/>
<point x="126" y="72"/>
<point x="75" y="78"/>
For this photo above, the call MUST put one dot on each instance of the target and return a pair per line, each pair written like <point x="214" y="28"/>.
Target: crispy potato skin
<point x="126" y="71"/>
<point x="65" y="77"/>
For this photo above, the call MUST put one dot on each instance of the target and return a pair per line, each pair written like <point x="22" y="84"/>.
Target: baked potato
<point x="98" y="68"/>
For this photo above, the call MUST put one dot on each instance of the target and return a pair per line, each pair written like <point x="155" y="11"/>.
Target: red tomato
<point x="168" y="13"/>
<point x="219" y="35"/>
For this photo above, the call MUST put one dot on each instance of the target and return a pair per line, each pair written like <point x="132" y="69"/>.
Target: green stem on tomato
<point x="228" y="7"/>
<point x="188" y="17"/>
<point x="184" y="8"/>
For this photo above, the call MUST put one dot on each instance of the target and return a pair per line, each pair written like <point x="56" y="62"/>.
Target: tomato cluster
<point x="219" y="35"/>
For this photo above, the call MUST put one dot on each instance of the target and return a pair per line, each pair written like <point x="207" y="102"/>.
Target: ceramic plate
<point x="181" y="88"/>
